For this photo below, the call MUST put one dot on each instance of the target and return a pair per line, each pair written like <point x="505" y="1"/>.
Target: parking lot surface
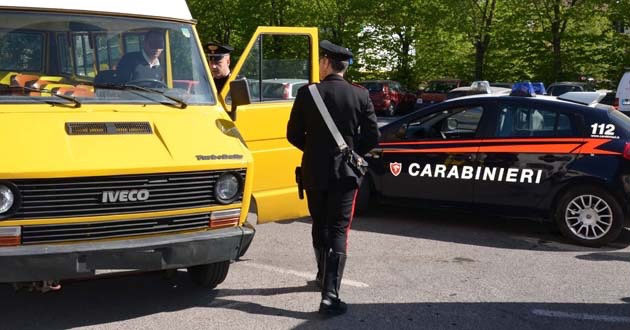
<point x="407" y="269"/>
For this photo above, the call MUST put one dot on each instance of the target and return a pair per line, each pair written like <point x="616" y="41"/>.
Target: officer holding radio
<point x="331" y="164"/>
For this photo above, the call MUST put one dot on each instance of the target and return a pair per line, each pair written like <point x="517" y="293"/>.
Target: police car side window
<point x="450" y="124"/>
<point x="525" y="121"/>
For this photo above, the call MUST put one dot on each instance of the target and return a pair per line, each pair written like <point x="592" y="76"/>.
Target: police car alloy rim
<point x="589" y="217"/>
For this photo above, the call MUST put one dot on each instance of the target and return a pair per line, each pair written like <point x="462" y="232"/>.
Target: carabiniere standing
<point x="330" y="192"/>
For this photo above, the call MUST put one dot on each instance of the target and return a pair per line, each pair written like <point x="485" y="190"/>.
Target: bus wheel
<point x="589" y="216"/>
<point x="209" y="275"/>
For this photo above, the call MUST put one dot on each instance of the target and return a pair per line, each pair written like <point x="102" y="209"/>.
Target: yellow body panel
<point x="42" y="149"/>
<point x="54" y="229"/>
<point x="263" y="126"/>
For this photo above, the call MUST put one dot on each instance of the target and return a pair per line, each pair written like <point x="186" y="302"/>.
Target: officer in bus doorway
<point x="219" y="61"/>
<point x="329" y="193"/>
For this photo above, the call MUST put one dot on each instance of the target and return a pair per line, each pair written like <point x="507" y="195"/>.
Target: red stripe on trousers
<point x="354" y="199"/>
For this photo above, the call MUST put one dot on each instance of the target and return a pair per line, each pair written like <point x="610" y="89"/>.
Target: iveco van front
<point x="117" y="153"/>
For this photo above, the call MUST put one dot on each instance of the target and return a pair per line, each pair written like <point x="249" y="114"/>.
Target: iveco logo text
<point x="125" y="196"/>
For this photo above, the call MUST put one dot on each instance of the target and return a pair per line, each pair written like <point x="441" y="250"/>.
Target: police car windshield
<point x="92" y="58"/>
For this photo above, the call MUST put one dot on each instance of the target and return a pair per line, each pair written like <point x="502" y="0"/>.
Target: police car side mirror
<point x="239" y="91"/>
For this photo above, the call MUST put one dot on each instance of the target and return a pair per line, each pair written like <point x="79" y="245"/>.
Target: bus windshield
<point x="99" y="59"/>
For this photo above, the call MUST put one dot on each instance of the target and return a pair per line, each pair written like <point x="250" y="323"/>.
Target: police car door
<point x="530" y="148"/>
<point x="276" y="62"/>
<point x="433" y="155"/>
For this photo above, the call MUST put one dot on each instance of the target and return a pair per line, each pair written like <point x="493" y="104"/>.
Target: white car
<point x="477" y="87"/>
<point x="276" y="89"/>
<point x="623" y="94"/>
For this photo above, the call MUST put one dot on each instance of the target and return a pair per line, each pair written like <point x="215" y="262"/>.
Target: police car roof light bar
<point x="539" y="88"/>
<point x="523" y="89"/>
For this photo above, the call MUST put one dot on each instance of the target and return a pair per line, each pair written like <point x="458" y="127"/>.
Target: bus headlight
<point x="6" y="199"/>
<point x="227" y="188"/>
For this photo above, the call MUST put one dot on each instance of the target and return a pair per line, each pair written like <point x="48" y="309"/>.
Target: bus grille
<point x="40" y="234"/>
<point x="77" y="197"/>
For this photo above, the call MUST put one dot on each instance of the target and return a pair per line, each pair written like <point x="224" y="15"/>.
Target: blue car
<point x="520" y="156"/>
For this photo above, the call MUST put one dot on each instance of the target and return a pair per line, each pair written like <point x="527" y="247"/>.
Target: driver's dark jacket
<point x="353" y="113"/>
<point x="133" y="66"/>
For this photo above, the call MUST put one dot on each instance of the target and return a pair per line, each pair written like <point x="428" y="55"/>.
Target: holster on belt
<point x="298" y="180"/>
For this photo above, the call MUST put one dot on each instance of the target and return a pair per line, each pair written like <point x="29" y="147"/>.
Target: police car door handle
<point x="462" y="157"/>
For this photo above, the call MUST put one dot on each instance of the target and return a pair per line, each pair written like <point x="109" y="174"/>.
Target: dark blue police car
<point x="525" y="156"/>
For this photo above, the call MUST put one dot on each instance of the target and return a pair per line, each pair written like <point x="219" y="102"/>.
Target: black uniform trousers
<point x="332" y="211"/>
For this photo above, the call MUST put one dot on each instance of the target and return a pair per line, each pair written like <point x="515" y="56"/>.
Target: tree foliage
<point x="414" y="41"/>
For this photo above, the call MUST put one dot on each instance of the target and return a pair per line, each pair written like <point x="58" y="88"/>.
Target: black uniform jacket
<point x="353" y="113"/>
<point x="220" y="82"/>
<point x="133" y="66"/>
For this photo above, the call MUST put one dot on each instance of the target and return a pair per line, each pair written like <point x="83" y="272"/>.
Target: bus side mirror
<point x="239" y="91"/>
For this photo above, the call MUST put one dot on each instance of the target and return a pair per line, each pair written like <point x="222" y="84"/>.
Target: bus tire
<point x="209" y="275"/>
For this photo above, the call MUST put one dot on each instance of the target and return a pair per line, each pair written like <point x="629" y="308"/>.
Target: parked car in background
<point x="386" y="95"/>
<point x="610" y="99"/>
<point x="595" y="99"/>
<point x="477" y="87"/>
<point x="276" y="89"/>
<point x="501" y="84"/>
<point x="437" y="89"/>
<point x="517" y="155"/>
<point x="559" y="88"/>
<point x="623" y="94"/>
<point x="408" y="103"/>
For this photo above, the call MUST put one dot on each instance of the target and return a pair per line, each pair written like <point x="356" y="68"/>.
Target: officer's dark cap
<point x="334" y="52"/>
<point x="217" y="51"/>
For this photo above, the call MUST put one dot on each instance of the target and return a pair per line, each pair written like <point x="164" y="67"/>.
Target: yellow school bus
<point x="120" y="155"/>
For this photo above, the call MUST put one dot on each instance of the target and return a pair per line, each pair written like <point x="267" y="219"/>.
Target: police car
<point x="522" y="155"/>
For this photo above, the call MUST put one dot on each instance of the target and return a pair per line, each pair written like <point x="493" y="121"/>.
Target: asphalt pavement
<point x="407" y="269"/>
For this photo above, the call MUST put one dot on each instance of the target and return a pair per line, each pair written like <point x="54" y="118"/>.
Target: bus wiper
<point x="181" y="103"/>
<point x="77" y="103"/>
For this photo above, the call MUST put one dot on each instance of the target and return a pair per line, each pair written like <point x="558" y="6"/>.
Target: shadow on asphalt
<point x="102" y="301"/>
<point x="606" y="256"/>
<point x="472" y="229"/>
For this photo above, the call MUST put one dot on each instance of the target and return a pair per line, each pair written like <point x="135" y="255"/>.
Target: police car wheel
<point x="209" y="275"/>
<point x="589" y="216"/>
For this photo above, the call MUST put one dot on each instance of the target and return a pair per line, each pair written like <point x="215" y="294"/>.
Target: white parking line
<point x="308" y="276"/>
<point x="581" y="316"/>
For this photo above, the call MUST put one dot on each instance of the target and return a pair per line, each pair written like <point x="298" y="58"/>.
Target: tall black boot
<point x="320" y="256"/>
<point x="331" y="304"/>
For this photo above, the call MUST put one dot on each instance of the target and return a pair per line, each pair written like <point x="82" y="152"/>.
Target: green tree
<point x="478" y="19"/>
<point x="552" y="18"/>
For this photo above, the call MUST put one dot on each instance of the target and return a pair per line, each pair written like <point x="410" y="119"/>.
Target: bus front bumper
<point x="69" y="261"/>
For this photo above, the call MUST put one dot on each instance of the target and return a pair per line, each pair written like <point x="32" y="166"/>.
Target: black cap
<point x="335" y="52"/>
<point x="217" y="51"/>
